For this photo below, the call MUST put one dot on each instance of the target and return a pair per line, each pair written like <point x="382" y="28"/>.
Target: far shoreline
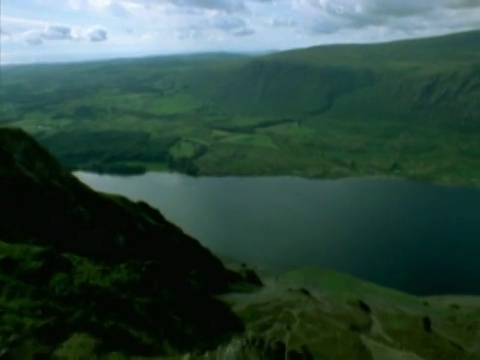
<point x="149" y="170"/>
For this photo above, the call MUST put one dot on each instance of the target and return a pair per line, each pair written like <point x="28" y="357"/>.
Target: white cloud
<point x="197" y="18"/>
<point x="35" y="32"/>
<point x="13" y="23"/>
<point x="100" y="3"/>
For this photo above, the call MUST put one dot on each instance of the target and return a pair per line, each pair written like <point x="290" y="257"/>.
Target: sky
<point x="75" y="30"/>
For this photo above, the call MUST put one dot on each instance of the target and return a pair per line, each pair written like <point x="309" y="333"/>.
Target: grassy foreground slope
<point x="84" y="275"/>
<point x="73" y="261"/>
<point x="408" y="108"/>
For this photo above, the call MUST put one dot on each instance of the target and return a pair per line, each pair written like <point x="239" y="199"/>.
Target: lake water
<point x="416" y="237"/>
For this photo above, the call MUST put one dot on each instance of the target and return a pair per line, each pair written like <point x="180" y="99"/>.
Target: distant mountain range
<point x="408" y="109"/>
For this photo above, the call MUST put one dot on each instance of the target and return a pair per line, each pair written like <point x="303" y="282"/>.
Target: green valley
<point x="405" y="109"/>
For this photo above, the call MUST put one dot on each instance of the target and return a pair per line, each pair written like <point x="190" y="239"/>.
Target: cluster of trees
<point x="111" y="151"/>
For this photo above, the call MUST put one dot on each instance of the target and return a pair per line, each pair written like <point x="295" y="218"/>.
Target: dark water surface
<point x="419" y="238"/>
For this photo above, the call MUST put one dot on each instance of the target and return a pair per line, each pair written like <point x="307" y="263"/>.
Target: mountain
<point x="433" y="77"/>
<point x="73" y="261"/>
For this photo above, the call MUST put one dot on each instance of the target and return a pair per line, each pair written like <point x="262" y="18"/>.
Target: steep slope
<point x="435" y="77"/>
<point x="75" y="261"/>
<point x="271" y="87"/>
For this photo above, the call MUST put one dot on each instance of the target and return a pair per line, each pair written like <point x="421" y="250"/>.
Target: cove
<point x="415" y="237"/>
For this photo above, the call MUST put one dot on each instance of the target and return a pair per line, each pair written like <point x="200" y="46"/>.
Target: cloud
<point x="214" y="27"/>
<point x="369" y="8"/>
<point x="63" y="33"/>
<point x="195" y="18"/>
<point x="243" y="32"/>
<point x="96" y="34"/>
<point x="15" y="24"/>
<point x="282" y="22"/>
<point x="123" y="6"/>
<point x="232" y="25"/>
<point x="33" y="38"/>
<point x="463" y="4"/>
<point x="228" y="6"/>
<point x="390" y="8"/>
<point x="331" y="16"/>
<point x="169" y="26"/>
<point x="56" y="32"/>
<point x="37" y="32"/>
<point x="100" y="3"/>
<point x="189" y="33"/>
<point x="324" y="27"/>
<point x="81" y="4"/>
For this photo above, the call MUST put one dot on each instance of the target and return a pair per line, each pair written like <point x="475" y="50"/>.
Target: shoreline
<point x="269" y="176"/>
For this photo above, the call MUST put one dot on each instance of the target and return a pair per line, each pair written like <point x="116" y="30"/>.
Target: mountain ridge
<point x="455" y="39"/>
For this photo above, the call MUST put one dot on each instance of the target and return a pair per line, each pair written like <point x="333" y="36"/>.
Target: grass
<point x="184" y="149"/>
<point x="321" y="314"/>
<point x="71" y="292"/>
<point x="255" y="140"/>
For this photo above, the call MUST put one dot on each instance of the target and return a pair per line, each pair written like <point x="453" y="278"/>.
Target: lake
<point x="416" y="237"/>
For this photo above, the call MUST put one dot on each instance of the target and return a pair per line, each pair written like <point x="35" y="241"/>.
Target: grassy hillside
<point x="321" y="314"/>
<point x="407" y="108"/>
<point x="73" y="261"/>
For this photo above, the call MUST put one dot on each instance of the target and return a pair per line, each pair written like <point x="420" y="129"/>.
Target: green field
<point x="407" y="109"/>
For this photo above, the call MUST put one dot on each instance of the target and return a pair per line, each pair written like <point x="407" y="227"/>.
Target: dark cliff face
<point x="151" y="283"/>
